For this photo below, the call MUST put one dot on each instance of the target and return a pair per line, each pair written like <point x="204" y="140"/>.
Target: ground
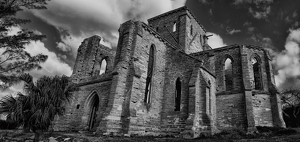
<point x="264" y="135"/>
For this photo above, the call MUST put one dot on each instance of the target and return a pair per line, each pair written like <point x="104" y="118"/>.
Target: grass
<point x="263" y="134"/>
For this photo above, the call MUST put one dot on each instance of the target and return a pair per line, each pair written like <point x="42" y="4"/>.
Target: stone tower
<point x="180" y="28"/>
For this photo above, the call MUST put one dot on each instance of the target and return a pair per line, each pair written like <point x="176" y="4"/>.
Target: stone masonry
<point x="164" y="79"/>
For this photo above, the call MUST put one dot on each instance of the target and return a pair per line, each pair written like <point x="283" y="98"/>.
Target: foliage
<point x="14" y="60"/>
<point x="44" y="100"/>
<point x="291" y="107"/>
<point x="276" y="130"/>
<point x="6" y="124"/>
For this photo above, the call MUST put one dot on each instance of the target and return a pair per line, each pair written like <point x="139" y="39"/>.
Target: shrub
<point x="5" y="124"/>
<point x="276" y="130"/>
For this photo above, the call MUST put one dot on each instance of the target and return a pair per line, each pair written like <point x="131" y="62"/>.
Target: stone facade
<point x="163" y="79"/>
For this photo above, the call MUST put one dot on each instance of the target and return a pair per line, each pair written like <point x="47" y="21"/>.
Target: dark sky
<point x="222" y="16"/>
<point x="273" y="24"/>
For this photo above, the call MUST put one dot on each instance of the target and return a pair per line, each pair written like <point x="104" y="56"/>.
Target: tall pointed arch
<point x="228" y="73"/>
<point x="103" y="66"/>
<point x="256" y="72"/>
<point x="150" y="70"/>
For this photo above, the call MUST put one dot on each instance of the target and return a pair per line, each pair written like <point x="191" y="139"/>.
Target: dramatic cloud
<point x="53" y="65"/>
<point x="260" y="10"/>
<point x="215" y="41"/>
<point x="287" y="62"/>
<point x="82" y="19"/>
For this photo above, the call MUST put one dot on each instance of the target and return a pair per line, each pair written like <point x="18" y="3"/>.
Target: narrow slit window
<point x="177" y="94"/>
<point x="157" y="29"/>
<point x="201" y="42"/>
<point x="191" y="29"/>
<point x="208" y="99"/>
<point x="228" y="74"/>
<point x="103" y="66"/>
<point x="256" y="74"/>
<point x="149" y="75"/>
<point x="174" y="27"/>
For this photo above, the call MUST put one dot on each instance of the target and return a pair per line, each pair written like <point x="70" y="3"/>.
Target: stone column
<point x="115" y="114"/>
<point x="247" y="90"/>
<point x="274" y="95"/>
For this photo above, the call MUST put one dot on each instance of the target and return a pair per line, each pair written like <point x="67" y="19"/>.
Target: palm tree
<point x="15" y="108"/>
<point x="45" y="99"/>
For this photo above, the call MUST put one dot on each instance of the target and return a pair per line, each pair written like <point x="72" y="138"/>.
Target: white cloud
<point x="287" y="62"/>
<point x="215" y="41"/>
<point x="83" y="19"/>
<point x="53" y="65"/>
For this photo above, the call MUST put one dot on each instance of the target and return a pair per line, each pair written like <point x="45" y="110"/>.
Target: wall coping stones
<point x="105" y="78"/>
<point x="231" y="47"/>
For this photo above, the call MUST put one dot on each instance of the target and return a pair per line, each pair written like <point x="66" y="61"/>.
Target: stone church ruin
<point x="164" y="79"/>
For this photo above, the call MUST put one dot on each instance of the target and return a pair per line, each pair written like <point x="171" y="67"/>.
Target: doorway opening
<point x="94" y="105"/>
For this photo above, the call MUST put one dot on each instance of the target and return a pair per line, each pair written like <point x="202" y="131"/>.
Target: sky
<point x="272" y="24"/>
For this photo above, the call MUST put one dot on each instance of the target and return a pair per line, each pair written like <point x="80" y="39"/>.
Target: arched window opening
<point x="149" y="74"/>
<point x="103" y="66"/>
<point x="228" y="74"/>
<point x="78" y="106"/>
<point x="174" y="27"/>
<point x="177" y="94"/>
<point x="256" y="74"/>
<point x="191" y="29"/>
<point x="156" y="29"/>
<point x="94" y="105"/>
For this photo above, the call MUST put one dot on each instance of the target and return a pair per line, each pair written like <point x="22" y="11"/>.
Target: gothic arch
<point x="256" y="72"/>
<point x="103" y="66"/>
<point x="92" y="104"/>
<point x="228" y="72"/>
<point x="257" y="57"/>
<point x="150" y="72"/>
<point x="226" y="56"/>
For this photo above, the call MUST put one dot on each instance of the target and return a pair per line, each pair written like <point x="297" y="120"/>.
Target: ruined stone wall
<point x="145" y="117"/>
<point x="242" y="106"/>
<point x="180" y="66"/>
<point x="86" y="74"/>
<point x="231" y="111"/>
<point x="78" y="110"/>
<point x="132" y="114"/>
<point x="262" y="110"/>
<point x="90" y="54"/>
